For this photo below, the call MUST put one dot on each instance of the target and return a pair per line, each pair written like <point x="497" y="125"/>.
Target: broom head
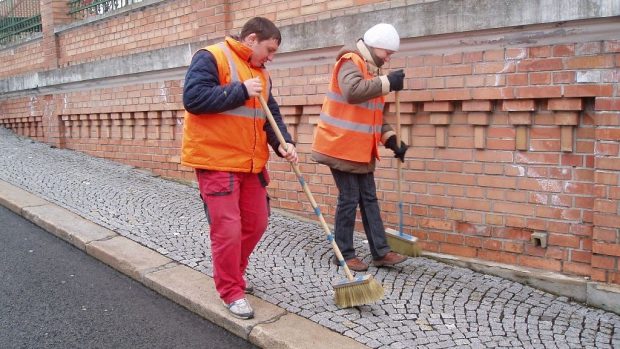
<point x="402" y="243"/>
<point x="359" y="291"/>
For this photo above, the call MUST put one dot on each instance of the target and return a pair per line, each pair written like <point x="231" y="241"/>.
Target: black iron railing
<point x="19" y="20"/>
<point x="80" y="9"/>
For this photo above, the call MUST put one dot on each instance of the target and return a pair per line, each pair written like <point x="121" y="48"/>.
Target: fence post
<point x="53" y="13"/>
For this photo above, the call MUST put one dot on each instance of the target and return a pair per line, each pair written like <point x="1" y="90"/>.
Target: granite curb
<point x="273" y="327"/>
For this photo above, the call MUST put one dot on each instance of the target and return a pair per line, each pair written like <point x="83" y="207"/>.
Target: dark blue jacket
<point x="203" y="94"/>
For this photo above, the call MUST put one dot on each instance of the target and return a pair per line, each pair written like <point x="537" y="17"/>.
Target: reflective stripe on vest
<point x="351" y="125"/>
<point x="242" y="111"/>
<point x="367" y="105"/>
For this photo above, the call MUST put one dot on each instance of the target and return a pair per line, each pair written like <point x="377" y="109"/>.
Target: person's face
<point x="262" y="51"/>
<point x="383" y="54"/>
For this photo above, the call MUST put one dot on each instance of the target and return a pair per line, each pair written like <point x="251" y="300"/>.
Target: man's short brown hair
<point x="263" y="28"/>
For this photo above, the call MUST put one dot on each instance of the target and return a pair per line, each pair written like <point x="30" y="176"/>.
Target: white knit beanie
<point x="383" y="36"/>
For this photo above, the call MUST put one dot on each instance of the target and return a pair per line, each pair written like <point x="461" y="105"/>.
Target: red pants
<point x="237" y="210"/>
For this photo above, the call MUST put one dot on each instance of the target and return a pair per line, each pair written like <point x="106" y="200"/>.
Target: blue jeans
<point x="353" y="190"/>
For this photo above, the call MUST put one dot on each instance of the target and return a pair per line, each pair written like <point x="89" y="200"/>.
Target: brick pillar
<point x="53" y="126"/>
<point x="53" y="13"/>
<point x="606" y="230"/>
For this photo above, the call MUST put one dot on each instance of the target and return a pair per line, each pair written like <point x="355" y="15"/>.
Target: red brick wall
<point x="287" y="12"/>
<point x="179" y="22"/>
<point x="167" y="24"/>
<point x="23" y="115"/>
<point x="21" y="59"/>
<point x="504" y="142"/>
<point x="140" y="125"/>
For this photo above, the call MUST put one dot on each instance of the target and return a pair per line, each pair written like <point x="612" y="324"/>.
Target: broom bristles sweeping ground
<point x="362" y="290"/>
<point x="402" y="243"/>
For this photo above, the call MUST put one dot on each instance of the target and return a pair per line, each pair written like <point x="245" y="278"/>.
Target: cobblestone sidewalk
<point x="427" y="304"/>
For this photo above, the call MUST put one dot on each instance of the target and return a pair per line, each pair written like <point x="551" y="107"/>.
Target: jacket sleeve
<point x="272" y="139"/>
<point x="354" y="87"/>
<point x="202" y="91"/>
<point x="386" y="132"/>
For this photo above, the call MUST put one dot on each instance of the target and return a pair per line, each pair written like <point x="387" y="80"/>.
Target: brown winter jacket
<point x="357" y="90"/>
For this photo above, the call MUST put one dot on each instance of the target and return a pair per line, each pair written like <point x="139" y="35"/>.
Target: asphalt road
<point x="53" y="295"/>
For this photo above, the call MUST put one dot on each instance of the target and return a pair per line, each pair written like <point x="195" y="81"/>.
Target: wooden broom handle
<point x="304" y="185"/>
<point x="398" y="162"/>
<point x="397" y="103"/>
<point x="399" y="167"/>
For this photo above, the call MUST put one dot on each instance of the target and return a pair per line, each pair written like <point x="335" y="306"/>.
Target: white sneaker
<point x="241" y="309"/>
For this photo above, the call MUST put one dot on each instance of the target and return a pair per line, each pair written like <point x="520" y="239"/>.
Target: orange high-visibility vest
<point x="233" y="140"/>
<point x="349" y="131"/>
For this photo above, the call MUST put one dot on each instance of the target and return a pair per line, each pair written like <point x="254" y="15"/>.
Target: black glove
<point x="399" y="152"/>
<point x="396" y="78"/>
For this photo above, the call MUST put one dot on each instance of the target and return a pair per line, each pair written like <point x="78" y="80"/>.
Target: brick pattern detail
<point x="504" y="142"/>
<point x="21" y="59"/>
<point x="566" y="120"/>
<point x="479" y="120"/>
<point x="565" y="104"/>
<point x="518" y="105"/>
<point x="477" y="105"/>
<point x="440" y="119"/>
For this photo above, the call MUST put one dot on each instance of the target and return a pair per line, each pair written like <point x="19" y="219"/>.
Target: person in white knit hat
<point x="346" y="140"/>
<point x="383" y="36"/>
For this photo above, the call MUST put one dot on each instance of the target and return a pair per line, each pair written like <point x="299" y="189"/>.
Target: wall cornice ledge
<point x="156" y="65"/>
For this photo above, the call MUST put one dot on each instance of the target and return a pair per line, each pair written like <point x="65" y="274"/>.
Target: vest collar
<point x="240" y="49"/>
<point x="370" y="59"/>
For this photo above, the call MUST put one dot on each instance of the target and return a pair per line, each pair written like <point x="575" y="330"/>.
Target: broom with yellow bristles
<point x="355" y="290"/>
<point x="397" y="240"/>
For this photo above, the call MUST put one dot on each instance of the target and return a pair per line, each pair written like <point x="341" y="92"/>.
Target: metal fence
<point x="80" y="9"/>
<point x="19" y="20"/>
